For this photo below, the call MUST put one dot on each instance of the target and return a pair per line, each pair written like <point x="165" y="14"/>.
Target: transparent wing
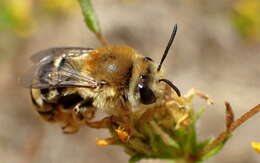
<point x="57" y="51"/>
<point x="44" y="74"/>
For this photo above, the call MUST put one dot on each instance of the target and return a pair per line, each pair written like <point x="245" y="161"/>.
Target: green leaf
<point x="212" y="152"/>
<point x="199" y="113"/>
<point x="135" y="158"/>
<point x="215" y="150"/>
<point x="146" y="128"/>
<point x="181" y="135"/>
<point x="90" y="17"/>
<point x="166" y="151"/>
<point x="202" y="145"/>
<point x="187" y="138"/>
<point x="164" y="136"/>
<point x="192" y="139"/>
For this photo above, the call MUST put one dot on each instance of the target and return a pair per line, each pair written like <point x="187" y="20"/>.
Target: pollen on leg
<point x="122" y="134"/>
<point x="105" y="142"/>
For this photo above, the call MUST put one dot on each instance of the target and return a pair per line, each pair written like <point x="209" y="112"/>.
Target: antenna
<point x="168" y="47"/>
<point x="171" y="85"/>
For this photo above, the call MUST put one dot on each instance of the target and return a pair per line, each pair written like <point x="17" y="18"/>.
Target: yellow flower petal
<point x="256" y="146"/>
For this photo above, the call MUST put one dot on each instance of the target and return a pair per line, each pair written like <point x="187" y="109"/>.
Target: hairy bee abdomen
<point x="46" y="110"/>
<point x="56" y="105"/>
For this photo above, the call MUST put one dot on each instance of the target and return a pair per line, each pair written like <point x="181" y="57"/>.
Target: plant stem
<point x="222" y="136"/>
<point x="101" y="39"/>
<point x="92" y="21"/>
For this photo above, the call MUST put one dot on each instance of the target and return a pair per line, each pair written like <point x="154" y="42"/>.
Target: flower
<point x="256" y="146"/>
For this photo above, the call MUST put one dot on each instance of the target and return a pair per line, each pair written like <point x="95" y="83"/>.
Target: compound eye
<point x="146" y="94"/>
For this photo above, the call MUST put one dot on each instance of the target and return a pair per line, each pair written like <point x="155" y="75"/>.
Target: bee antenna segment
<point x="168" y="47"/>
<point x="172" y="86"/>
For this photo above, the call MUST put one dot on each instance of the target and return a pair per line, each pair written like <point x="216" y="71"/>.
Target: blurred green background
<point x="217" y="50"/>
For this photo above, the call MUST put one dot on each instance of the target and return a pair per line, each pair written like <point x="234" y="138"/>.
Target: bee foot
<point x="68" y="129"/>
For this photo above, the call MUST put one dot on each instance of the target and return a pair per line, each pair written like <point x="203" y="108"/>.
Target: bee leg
<point x="148" y="115"/>
<point x="122" y="127"/>
<point x="75" y="119"/>
<point x="69" y="128"/>
<point x="103" y="123"/>
<point x="123" y="111"/>
<point x="82" y="113"/>
<point x="48" y="112"/>
<point x="122" y="134"/>
<point x="90" y="113"/>
<point x="69" y="125"/>
<point x="124" y="120"/>
<point x="48" y="115"/>
<point x="122" y="130"/>
<point x="105" y="142"/>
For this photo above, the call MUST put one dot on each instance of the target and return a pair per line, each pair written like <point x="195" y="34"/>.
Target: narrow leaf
<point x="165" y="151"/>
<point x="215" y="150"/>
<point x="165" y="137"/>
<point x="202" y="145"/>
<point x="90" y="17"/>
<point x="199" y="113"/>
<point x="135" y="158"/>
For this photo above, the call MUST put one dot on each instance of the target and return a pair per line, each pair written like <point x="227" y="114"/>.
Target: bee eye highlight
<point x="146" y="94"/>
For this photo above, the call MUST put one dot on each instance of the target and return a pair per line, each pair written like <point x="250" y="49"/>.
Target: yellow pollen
<point x="256" y="146"/>
<point x="122" y="134"/>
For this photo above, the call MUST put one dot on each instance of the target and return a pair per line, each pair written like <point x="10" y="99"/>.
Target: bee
<point x="69" y="84"/>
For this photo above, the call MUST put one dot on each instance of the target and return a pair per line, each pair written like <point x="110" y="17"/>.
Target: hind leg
<point x="103" y="123"/>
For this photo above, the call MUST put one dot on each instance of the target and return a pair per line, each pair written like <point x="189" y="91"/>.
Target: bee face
<point x="143" y="88"/>
<point x="68" y="85"/>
